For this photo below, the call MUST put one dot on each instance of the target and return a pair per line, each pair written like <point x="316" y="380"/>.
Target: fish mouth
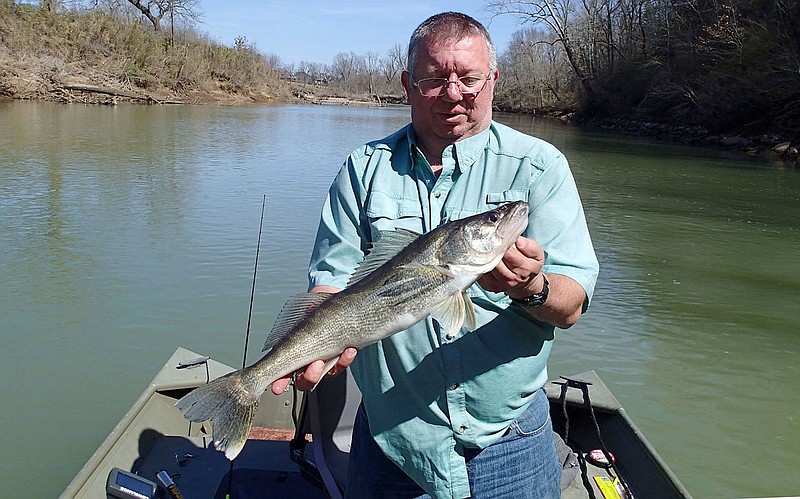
<point x="516" y="213"/>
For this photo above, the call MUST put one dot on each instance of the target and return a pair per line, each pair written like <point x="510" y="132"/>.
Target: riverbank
<point x="773" y="147"/>
<point x="80" y="87"/>
<point x="100" y="58"/>
<point x="96" y="58"/>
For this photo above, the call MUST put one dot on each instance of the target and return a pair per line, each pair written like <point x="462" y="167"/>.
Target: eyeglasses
<point x="467" y="85"/>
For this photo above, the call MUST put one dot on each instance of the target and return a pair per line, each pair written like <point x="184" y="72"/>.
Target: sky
<point x="317" y="30"/>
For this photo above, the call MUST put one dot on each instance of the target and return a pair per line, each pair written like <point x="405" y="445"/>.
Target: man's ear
<point x="405" y="79"/>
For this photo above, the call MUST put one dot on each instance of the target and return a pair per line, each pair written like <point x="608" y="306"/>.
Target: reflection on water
<point x="129" y="231"/>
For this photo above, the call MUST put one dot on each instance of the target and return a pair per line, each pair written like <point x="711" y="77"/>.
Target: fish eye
<point x="493" y="217"/>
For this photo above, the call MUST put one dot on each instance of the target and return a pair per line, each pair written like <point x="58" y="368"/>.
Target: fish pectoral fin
<point x="294" y="310"/>
<point x="454" y="312"/>
<point x="326" y="369"/>
<point x="470" y="322"/>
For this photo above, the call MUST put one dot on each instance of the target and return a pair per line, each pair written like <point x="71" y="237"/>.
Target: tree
<point x="155" y="10"/>
<point x="560" y="17"/>
<point x="534" y="73"/>
<point x="371" y="65"/>
<point x="345" y="69"/>
<point x="394" y="63"/>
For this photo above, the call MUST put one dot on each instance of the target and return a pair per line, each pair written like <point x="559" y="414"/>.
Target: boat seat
<point x="331" y="411"/>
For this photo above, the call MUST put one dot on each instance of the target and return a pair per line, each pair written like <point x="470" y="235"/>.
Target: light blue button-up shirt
<point x="428" y="396"/>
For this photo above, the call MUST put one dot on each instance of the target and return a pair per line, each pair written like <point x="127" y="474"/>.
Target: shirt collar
<point x="465" y="152"/>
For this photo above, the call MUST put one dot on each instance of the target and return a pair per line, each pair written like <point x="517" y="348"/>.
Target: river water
<point x="129" y="231"/>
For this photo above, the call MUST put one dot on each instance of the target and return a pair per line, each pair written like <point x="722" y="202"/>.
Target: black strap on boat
<point x="297" y="445"/>
<point x="583" y="386"/>
<point x="581" y="460"/>
<point x="585" y="475"/>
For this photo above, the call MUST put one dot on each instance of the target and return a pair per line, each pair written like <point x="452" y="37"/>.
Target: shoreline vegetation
<point x="107" y="56"/>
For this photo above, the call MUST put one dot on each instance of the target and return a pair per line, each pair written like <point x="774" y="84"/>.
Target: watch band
<point x="537" y="299"/>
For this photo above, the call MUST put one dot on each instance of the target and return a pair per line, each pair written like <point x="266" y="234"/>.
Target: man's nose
<point x="452" y="91"/>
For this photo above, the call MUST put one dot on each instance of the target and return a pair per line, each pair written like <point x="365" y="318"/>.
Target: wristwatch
<point x="537" y="299"/>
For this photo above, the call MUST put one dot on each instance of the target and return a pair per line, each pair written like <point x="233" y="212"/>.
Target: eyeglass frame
<point x="486" y="77"/>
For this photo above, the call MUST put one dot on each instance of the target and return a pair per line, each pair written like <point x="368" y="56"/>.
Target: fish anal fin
<point x="293" y="312"/>
<point x="326" y="369"/>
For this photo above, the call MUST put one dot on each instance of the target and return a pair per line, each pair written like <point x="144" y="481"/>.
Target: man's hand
<point x="518" y="272"/>
<point x="519" y="275"/>
<point x="310" y="376"/>
<point x="313" y="372"/>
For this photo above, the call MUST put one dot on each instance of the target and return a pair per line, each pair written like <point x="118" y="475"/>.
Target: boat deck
<point x="200" y="472"/>
<point x="155" y="437"/>
<point x="263" y="465"/>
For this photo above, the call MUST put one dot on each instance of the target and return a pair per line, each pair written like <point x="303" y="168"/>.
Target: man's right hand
<point x="311" y="375"/>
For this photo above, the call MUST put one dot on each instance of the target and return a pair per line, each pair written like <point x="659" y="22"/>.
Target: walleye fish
<point x="403" y="279"/>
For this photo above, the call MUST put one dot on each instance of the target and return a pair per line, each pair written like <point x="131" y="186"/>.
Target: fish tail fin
<point x="229" y="405"/>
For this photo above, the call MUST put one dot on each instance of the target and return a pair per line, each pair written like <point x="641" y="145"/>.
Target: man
<point x="466" y="415"/>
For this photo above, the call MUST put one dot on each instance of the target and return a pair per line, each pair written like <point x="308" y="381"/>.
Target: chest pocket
<point x="490" y="201"/>
<point x="495" y="198"/>
<point x="386" y="213"/>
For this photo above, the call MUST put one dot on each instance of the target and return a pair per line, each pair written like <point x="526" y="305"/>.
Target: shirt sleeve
<point x="340" y="243"/>
<point x="558" y="223"/>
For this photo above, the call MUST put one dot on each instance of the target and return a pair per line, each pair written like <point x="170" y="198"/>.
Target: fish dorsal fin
<point x="454" y="312"/>
<point x="294" y="310"/>
<point x="390" y="243"/>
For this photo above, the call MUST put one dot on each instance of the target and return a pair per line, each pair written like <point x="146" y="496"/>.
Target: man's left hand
<point x="518" y="272"/>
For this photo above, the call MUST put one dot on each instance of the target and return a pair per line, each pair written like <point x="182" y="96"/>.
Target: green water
<point x="128" y="231"/>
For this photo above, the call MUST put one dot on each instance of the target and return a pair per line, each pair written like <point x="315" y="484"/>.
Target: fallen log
<point x="116" y="93"/>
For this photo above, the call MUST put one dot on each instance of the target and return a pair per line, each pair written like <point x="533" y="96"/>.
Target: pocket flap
<point x="506" y="196"/>
<point x="382" y="205"/>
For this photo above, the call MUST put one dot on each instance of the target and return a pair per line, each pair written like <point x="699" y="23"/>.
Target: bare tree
<point x="394" y="63"/>
<point x="345" y="69"/>
<point x="156" y="10"/>
<point x="372" y="65"/>
<point x="535" y="74"/>
<point x="560" y="17"/>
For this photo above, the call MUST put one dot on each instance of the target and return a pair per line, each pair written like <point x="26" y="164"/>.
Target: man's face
<point x="440" y="121"/>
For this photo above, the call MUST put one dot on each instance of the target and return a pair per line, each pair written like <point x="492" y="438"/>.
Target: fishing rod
<point x="249" y="320"/>
<point x="253" y="289"/>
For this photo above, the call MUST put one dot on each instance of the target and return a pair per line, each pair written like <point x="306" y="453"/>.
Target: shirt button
<point x="461" y="430"/>
<point x="437" y="194"/>
<point x="449" y="336"/>
<point x="454" y="386"/>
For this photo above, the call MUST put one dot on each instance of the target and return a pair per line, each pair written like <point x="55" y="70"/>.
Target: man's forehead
<point x="437" y="52"/>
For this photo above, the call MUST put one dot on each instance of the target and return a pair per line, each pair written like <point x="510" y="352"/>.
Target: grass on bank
<point x="42" y="52"/>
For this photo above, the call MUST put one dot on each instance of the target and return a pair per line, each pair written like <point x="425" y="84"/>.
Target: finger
<point x="497" y="280"/>
<point x="529" y="248"/>
<point x="347" y="358"/>
<point x="280" y="385"/>
<point x="515" y="260"/>
<point x="503" y="272"/>
<point x="310" y="376"/>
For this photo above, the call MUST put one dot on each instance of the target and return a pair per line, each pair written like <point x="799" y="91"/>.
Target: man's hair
<point x="452" y="26"/>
